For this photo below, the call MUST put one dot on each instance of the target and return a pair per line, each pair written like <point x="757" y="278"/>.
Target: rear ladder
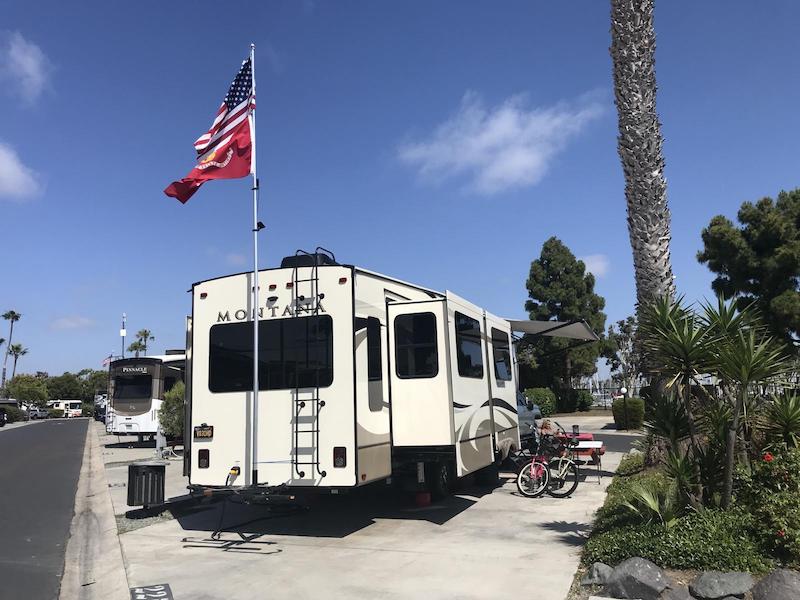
<point x="307" y="305"/>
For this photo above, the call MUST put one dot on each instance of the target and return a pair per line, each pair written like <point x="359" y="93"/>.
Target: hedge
<point x="544" y="398"/>
<point x="634" y="407"/>
<point x="13" y="414"/>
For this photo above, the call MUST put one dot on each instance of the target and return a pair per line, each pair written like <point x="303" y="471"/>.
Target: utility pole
<point x="123" y="333"/>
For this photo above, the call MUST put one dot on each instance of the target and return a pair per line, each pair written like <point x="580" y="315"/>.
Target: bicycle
<point x="551" y="469"/>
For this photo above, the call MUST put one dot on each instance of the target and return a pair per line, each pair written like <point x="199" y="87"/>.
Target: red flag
<point x="224" y="151"/>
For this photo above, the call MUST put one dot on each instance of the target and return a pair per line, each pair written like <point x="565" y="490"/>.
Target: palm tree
<point x="12" y="316"/>
<point x="633" y="44"/>
<point x="137" y="347"/>
<point x="143" y="336"/>
<point x="16" y="350"/>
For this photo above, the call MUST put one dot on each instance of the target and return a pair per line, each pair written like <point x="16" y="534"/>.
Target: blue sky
<point x="441" y="143"/>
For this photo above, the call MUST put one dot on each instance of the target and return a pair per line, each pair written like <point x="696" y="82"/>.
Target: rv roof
<point x="574" y="330"/>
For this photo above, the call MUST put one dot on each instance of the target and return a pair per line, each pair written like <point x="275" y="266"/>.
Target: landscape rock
<point x="598" y="574"/>
<point x="680" y="592"/>
<point x="782" y="584"/>
<point x="637" y="578"/>
<point x="716" y="585"/>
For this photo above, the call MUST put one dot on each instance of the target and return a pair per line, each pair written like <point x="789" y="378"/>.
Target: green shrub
<point x="584" y="399"/>
<point x="710" y="539"/>
<point x="613" y="513"/>
<point x="172" y="409"/>
<point x="631" y="464"/>
<point x="635" y="413"/>
<point x="13" y="414"/>
<point x="55" y="413"/>
<point x="771" y="494"/>
<point x="544" y="398"/>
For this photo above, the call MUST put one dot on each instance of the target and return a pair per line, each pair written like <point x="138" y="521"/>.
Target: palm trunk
<point x="5" y="359"/>
<point x="14" y="368"/>
<point x="730" y="450"/>
<point x="633" y="44"/>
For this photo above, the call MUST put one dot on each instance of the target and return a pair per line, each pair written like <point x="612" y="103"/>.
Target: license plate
<point x="203" y="432"/>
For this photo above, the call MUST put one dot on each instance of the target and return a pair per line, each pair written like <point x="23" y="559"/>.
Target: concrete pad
<point x="373" y="543"/>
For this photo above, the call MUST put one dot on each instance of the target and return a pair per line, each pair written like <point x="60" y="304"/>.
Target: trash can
<point x="146" y="483"/>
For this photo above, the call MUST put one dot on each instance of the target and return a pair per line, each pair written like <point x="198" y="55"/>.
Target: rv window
<point x="296" y="352"/>
<point x="501" y="351"/>
<point x="468" y="347"/>
<point x="416" y="355"/>
<point x="374" y="367"/>
<point x="133" y="387"/>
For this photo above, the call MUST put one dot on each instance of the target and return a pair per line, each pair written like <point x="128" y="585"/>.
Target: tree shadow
<point x="571" y="533"/>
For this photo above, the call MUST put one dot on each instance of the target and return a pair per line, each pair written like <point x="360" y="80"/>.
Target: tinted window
<point x="133" y="387"/>
<point x="468" y="347"/>
<point x="295" y="352"/>
<point x="501" y="355"/>
<point x="374" y="367"/>
<point x="416" y="354"/>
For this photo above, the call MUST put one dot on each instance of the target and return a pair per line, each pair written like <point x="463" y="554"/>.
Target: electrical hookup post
<point x="228" y="151"/>
<point x="256" y="228"/>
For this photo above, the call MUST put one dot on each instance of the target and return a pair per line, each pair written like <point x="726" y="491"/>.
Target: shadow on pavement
<point x="131" y="444"/>
<point x="333" y="516"/>
<point x="571" y="533"/>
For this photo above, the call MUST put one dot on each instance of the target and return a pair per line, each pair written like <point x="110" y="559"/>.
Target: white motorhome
<point x="136" y="388"/>
<point x="362" y="377"/>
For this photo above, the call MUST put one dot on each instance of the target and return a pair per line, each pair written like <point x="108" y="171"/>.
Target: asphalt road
<point x="39" y="468"/>
<point x="617" y="442"/>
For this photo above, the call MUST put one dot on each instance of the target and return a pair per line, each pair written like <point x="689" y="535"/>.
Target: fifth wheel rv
<point x="362" y="377"/>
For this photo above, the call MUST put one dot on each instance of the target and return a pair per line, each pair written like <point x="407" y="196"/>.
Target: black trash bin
<point x="146" y="483"/>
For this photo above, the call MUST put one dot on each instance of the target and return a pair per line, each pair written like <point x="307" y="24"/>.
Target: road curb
<point x="93" y="565"/>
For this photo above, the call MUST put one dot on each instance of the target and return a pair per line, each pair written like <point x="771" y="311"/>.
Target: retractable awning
<point x="573" y="330"/>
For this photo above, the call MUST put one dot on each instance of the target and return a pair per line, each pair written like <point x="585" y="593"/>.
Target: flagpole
<point x="253" y="170"/>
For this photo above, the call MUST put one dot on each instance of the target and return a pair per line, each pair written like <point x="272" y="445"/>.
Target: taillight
<point x="339" y="457"/>
<point x="203" y="459"/>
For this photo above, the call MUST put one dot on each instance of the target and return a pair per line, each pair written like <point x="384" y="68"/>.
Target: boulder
<point x="637" y="578"/>
<point x="782" y="584"/>
<point x="679" y="592"/>
<point x="598" y="574"/>
<point x="716" y="585"/>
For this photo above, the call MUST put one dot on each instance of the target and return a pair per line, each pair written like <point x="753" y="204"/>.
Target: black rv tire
<point x="488" y="476"/>
<point x="439" y="479"/>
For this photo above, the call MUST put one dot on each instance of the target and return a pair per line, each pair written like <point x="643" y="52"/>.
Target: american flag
<point x="236" y="106"/>
<point x="225" y="150"/>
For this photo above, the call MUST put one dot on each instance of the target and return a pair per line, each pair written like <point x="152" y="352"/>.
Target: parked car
<point x="3" y="417"/>
<point x="100" y="413"/>
<point x="35" y="412"/>
<point x="527" y="413"/>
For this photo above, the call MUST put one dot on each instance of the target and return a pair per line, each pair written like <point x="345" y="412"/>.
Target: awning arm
<point x="577" y="329"/>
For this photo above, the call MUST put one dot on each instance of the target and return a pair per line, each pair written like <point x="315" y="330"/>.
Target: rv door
<point x="419" y="377"/>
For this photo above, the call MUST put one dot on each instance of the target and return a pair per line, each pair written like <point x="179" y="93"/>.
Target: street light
<point x="123" y="333"/>
<point x="624" y="392"/>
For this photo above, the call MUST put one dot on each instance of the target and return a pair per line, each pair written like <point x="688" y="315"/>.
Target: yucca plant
<point x="666" y="418"/>
<point x="745" y="358"/>
<point x="651" y="503"/>
<point x="783" y="419"/>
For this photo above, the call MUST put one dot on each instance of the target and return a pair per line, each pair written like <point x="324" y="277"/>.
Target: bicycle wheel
<point x="564" y="477"/>
<point x="532" y="479"/>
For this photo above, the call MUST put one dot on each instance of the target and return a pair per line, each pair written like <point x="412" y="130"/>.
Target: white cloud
<point x="17" y="182"/>
<point x="71" y="322"/>
<point x="507" y="146"/>
<point x="235" y="260"/>
<point x="24" y="63"/>
<point x="597" y="264"/>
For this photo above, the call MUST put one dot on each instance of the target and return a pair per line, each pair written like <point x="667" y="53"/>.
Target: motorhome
<point x="362" y="378"/>
<point x="70" y="408"/>
<point x="136" y="388"/>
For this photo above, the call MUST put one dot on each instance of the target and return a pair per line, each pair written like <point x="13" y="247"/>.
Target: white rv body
<point x="399" y="386"/>
<point x="136" y="390"/>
